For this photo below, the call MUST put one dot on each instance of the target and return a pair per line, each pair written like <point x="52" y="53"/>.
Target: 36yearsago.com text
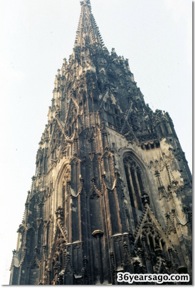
<point x="155" y="278"/>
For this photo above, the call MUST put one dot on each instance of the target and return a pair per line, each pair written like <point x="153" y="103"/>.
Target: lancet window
<point x="75" y="176"/>
<point x="135" y="184"/>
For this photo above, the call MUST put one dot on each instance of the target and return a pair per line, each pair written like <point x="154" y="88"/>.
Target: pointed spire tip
<point x="85" y="2"/>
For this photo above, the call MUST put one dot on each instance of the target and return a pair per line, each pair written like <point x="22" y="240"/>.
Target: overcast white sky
<point x="155" y="35"/>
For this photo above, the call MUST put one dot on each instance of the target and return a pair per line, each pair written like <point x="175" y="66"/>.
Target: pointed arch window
<point x="75" y="176"/>
<point x="135" y="184"/>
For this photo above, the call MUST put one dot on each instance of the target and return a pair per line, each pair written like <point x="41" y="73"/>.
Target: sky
<point x="37" y="35"/>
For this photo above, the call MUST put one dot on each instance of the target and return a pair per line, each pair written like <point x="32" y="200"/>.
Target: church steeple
<point x="88" y="31"/>
<point x="112" y="188"/>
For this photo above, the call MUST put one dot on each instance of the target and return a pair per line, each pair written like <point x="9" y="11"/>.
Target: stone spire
<point x="87" y="32"/>
<point x="112" y="188"/>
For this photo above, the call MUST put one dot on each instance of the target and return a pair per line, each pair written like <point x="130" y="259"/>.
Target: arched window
<point x="135" y="184"/>
<point x="74" y="206"/>
<point x="75" y="176"/>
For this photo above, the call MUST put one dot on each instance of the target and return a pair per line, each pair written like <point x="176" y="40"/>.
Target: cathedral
<point x="112" y="190"/>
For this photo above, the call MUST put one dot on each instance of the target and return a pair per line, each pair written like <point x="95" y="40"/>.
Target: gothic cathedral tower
<point x="112" y="188"/>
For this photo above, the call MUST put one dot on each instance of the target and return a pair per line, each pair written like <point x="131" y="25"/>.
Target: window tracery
<point x="135" y="184"/>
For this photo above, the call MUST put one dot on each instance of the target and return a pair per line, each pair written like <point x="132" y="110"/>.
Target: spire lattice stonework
<point x="88" y="32"/>
<point x="112" y="188"/>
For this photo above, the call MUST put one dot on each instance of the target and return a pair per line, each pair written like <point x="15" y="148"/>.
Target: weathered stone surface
<point x="112" y="188"/>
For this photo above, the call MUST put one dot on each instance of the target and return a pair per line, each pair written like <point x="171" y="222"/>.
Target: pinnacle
<point x="88" y="31"/>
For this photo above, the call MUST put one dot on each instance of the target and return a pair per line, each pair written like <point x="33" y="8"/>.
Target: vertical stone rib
<point x="138" y="189"/>
<point x="97" y="87"/>
<point x="132" y="187"/>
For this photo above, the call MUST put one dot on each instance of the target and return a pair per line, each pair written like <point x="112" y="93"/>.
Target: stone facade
<point x="112" y="188"/>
